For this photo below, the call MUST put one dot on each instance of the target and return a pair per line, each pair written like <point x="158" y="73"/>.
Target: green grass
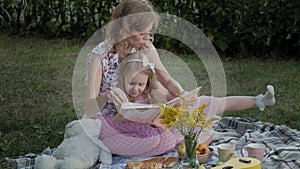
<point x="249" y="77"/>
<point x="36" y="90"/>
<point x="35" y="97"/>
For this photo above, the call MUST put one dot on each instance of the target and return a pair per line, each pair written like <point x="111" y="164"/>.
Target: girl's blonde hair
<point x="129" y="16"/>
<point x="132" y="65"/>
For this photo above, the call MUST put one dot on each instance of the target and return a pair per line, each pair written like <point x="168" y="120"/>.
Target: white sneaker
<point x="266" y="100"/>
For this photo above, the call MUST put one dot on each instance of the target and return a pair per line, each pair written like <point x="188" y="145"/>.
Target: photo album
<point x="147" y="113"/>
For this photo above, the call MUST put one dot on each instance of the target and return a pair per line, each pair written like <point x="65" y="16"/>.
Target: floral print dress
<point x="110" y="63"/>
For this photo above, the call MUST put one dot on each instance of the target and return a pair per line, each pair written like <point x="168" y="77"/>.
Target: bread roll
<point x="134" y="165"/>
<point x="153" y="163"/>
<point x="170" y="162"/>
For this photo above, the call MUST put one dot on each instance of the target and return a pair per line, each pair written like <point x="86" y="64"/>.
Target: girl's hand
<point x="118" y="97"/>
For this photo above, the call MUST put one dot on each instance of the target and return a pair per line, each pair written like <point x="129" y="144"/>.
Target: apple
<point x="203" y="148"/>
<point x="181" y="150"/>
<point x="219" y="163"/>
<point x="201" y="167"/>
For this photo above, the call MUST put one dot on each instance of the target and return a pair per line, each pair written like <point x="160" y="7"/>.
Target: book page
<point x="142" y="113"/>
<point x="187" y="96"/>
<point x="130" y="105"/>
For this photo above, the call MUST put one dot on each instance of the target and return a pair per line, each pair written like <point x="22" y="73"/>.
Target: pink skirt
<point x="132" y="139"/>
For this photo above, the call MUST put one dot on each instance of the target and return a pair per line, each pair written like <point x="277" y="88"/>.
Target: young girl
<point x="137" y="79"/>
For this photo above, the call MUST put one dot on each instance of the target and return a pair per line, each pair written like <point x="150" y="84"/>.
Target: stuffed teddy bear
<point x="80" y="149"/>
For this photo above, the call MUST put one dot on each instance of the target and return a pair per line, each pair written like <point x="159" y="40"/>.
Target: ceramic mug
<point x="226" y="151"/>
<point x="255" y="150"/>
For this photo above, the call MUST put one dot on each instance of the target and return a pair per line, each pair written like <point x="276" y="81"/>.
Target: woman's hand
<point x="157" y="96"/>
<point x="157" y="123"/>
<point x="192" y="100"/>
<point x="118" y="97"/>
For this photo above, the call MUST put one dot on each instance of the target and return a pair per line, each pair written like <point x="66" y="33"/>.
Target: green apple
<point x="181" y="150"/>
<point x="219" y="163"/>
<point x="201" y="167"/>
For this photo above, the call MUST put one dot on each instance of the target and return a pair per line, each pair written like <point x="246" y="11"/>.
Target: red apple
<point x="203" y="148"/>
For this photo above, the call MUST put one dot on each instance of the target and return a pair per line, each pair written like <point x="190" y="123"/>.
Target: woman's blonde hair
<point x="129" y="16"/>
<point x="132" y="65"/>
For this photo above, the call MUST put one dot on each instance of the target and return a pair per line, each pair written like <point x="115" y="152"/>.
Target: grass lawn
<point x="36" y="90"/>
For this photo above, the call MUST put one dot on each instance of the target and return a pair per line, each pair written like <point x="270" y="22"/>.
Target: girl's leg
<point x="246" y="102"/>
<point x="238" y="103"/>
<point x="215" y="105"/>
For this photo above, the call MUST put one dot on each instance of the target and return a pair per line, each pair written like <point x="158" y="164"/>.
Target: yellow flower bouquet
<point x="189" y="123"/>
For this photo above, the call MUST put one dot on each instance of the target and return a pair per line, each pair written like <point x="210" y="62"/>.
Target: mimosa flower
<point x="189" y="123"/>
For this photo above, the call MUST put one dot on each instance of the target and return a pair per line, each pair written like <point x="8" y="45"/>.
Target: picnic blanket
<point x="282" y="142"/>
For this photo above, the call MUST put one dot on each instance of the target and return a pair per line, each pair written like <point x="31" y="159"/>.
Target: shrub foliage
<point x="255" y="27"/>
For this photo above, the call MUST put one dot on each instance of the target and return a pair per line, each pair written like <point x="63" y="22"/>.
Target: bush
<point x="236" y="28"/>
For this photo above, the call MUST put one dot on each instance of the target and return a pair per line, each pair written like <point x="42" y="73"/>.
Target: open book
<point x="147" y="113"/>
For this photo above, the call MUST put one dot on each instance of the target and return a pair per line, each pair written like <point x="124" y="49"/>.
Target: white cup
<point x="255" y="150"/>
<point x="226" y="151"/>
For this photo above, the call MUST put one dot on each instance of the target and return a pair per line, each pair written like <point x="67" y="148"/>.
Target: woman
<point x="124" y="36"/>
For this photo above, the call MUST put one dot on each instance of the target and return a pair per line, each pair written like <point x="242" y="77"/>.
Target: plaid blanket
<point x="283" y="144"/>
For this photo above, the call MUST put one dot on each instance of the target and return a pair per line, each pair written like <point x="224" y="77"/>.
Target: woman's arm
<point x="157" y="96"/>
<point x="163" y="76"/>
<point x="93" y="101"/>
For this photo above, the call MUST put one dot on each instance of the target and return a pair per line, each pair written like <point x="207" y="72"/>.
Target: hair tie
<point x="145" y="63"/>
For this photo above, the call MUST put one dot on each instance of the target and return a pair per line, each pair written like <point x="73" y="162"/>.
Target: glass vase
<point x="190" y="161"/>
